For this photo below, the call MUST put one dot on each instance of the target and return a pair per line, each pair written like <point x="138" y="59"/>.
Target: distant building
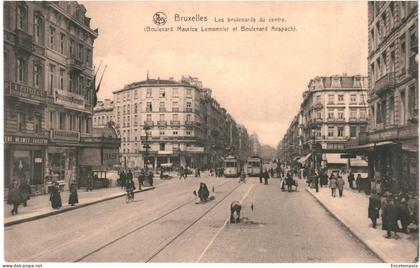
<point x="103" y="113"/>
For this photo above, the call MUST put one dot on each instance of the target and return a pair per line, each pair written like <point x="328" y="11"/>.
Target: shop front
<point x="60" y="166"/>
<point x="24" y="160"/>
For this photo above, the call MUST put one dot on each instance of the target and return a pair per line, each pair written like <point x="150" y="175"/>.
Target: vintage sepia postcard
<point x="217" y="132"/>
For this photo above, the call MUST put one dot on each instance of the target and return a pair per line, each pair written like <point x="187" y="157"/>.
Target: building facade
<point x="334" y="110"/>
<point x="48" y="90"/>
<point x="392" y="141"/>
<point x="183" y="124"/>
<point x="103" y="113"/>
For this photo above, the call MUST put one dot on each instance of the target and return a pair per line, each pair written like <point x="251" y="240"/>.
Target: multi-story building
<point x="333" y="111"/>
<point x="48" y="90"/>
<point x="255" y="144"/>
<point x="392" y="140"/>
<point x="186" y="126"/>
<point x="103" y="113"/>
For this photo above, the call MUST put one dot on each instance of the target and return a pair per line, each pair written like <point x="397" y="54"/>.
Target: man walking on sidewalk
<point x="340" y="185"/>
<point x="333" y="186"/>
<point x="374" y="206"/>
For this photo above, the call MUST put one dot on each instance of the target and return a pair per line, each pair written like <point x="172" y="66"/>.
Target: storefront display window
<point x="56" y="165"/>
<point x="21" y="165"/>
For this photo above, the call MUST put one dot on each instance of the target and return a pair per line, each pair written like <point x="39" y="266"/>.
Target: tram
<point x="254" y="166"/>
<point x="231" y="166"/>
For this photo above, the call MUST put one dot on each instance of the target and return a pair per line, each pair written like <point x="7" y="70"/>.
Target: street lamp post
<point x="146" y="146"/>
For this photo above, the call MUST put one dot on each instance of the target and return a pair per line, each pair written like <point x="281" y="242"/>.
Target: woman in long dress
<point x="73" y="198"/>
<point x="55" y="196"/>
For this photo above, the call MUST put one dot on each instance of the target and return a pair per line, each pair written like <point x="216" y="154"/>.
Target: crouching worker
<point x="203" y="192"/>
<point x="235" y="212"/>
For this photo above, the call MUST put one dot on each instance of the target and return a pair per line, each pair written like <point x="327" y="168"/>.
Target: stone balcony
<point x="24" y="92"/>
<point x="24" y="41"/>
<point x="175" y="123"/>
<point x="384" y="83"/>
<point x="149" y="123"/>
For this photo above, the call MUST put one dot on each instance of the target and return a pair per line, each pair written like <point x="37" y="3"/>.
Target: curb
<point x="361" y="240"/>
<point x="66" y="209"/>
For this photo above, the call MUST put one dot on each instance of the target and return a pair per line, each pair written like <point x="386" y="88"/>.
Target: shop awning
<point x="335" y="159"/>
<point x="370" y="146"/>
<point x="410" y="147"/>
<point x="303" y="159"/>
<point x="358" y="162"/>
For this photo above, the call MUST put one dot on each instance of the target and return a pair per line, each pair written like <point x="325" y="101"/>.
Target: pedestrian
<point x="129" y="176"/>
<point x="203" y="192"/>
<point x="272" y="172"/>
<point x="13" y="197"/>
<point x="242" y="177"/>
<point x="130" y="187"/>
<point x="140" y="178"/>
<point x="161" y="173"/>
<point x="316" y="181"/>
<point x="261" y="175"/>
<point x="181" y="172"/>
<point x="340" y="186"/>
<point x="198" y="172"/>
<point x="151" y="178"/>
<point x="266" y="177"/>
<point x="73" y="198"/>
<point x="390" y="215"/>
<point x="403" y="214"/>
<point x="374" y="207"/>
<point x="413" y="204"/>
<point x="359" y="182"/>
<point x="89" y="182"/>
<point x="25" y="191"/>
<point x="350" y="179"/>
<point x="122" y="179"/>
<point x="333" y="186"/>
<point x="55" y="196"/>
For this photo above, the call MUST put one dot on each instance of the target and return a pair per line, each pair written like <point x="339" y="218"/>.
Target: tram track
<point x="139" y="228"/>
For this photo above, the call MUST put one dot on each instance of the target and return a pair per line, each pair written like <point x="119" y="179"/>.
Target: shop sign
<point x="24" y="140"/>
<point x="195" y="149"/>
<point x="38" y="160"/>
<point x="68" y="99"/>
<point x="14" y="89"/>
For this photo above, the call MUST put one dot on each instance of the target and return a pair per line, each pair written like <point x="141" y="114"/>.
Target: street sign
<point x="347" y="156"/>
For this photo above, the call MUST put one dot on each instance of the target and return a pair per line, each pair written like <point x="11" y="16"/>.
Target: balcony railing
<point x="175" y="110"/>
<point x="317" y="106"/>
<point x="66" y="135"/>
<point x="384" y="83"/>
<point x="162" y="110"/>
<point x="149" y="123"/>
<point x="175" y="123"/>
<point x="25" y="92"/>
<point x="161" y="123"/>
<point x="189" y="123"/>
<point x="24" y="41"/>
<point x="76" y="63"/>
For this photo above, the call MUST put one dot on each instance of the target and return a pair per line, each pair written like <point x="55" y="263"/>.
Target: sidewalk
<point x="40" y="206"/>
<point x="352" y="210"/>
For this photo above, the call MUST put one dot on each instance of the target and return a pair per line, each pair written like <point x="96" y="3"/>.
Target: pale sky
<point x="259" y="77"/>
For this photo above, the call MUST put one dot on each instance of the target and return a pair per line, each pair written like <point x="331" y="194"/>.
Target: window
<point x="128" y="121"/>
<point x="340" y="131"/>
<point x="340" y="99"/>
<point x="403" y="53"/>
<point x="162" y="132"/>
<point x="38" y="29"/>
<point x="52" y="120"/>
<point x="162" y="106"/>
<point x="149" y="92"/>
<point x="175" y="132"/>
<point x="189" y="109"/>
<point x="62" y="122"/>
<point x="62" y="40"/>
<point x="52" y="37"/>
<point x="21" y="121"/>
<point x="318" y="99"/>
<point x="319" y="115"/>
<point x="353" y="130"/>
<point x="188" y="132"/>
<point x="71" y="50"/>
<point x="330" y="99"/>
<point x="413" y="102"/>
<point x="330" y="114"/>
<point x="162" y="117"/>
<point x="148" y="117"/>
<point x="175" y="92"/>
<point x="188" y="117"/>
<point x="353" y="113"/>
<point x="135" y="108"/>
<point x="22" y="18"/>
<point x="149" y="107"/>
<point x="88" y="57"/>
<point x="80" y="52"/>
<point x="37" y="75"/>
<point x="161" y="147"/>
<point x="124" y="109"/>
<point x="51" y="84"/>
<point x="175" y="117"/>
<point x="189" y="91"/>
<point x="21" y="70"/>
<point x="128" y="108"/>
<point x="175" y="106"/>
<point x="330" y="131"/>
<point x="61" y="79"/>
<point x="162" y="93"/>
<point x="135" y="93"/>
<point x="353" y="99"/>
<point x="341" y="114"/>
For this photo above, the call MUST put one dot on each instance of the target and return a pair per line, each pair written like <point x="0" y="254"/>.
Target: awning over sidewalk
<point x="370" y="146"/>
<point x="335" y="159"/>
<point x="303" y="159"/>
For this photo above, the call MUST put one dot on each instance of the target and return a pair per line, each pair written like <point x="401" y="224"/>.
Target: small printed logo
<point x="159" y="18"/>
